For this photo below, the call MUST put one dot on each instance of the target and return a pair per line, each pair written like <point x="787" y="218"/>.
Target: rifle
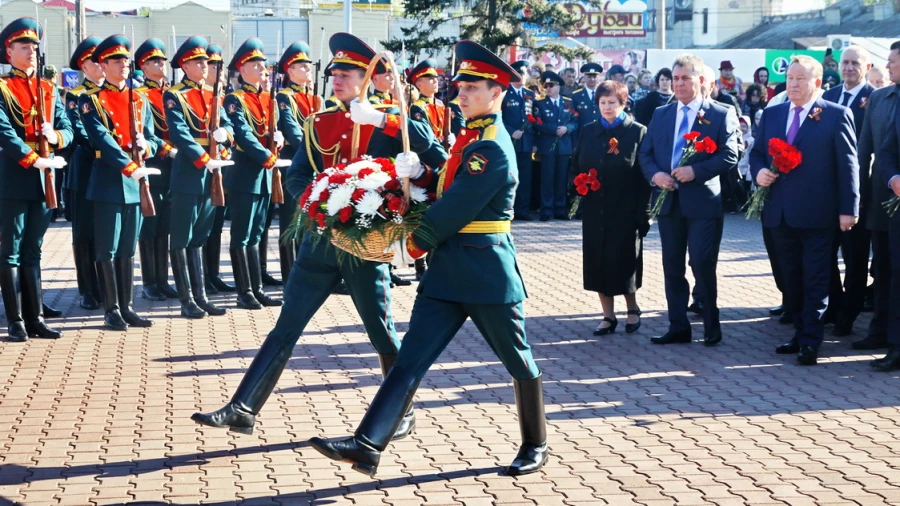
<point x="277" y="190"/>
<point x="147" y="207"/>
<point x="216" y="190"/>
<point x="446" y="140"/>
<point x="50" y="197"/>
<point x="317" y="66"/>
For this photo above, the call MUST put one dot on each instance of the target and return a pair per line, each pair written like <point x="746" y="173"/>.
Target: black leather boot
<point x="9" y="286"/>
<point x="162" y="268"/>
<point x="267" y="278"/>
<point x="378" y="426"/>
<point x="256" y="285"/>
<point x="125" y="286"/>
<point x="239" y="415"/>
<point x="109" y="288"/>
<point x="33" y="304"/>
<point x="195" y="273"/>
<point x="408" y="424"/>
<point x="84" y="272"/>
<point x="533" y="424"/>
<point x="287" y="255"/>
<point x="148" y="271"/>
<point x="421" y="267"/>
<point x="189" y="308"/>
<point x="241" y="270"/>
<point x="213" y="252"/>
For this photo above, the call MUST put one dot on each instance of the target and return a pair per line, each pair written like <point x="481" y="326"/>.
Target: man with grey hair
<point x="804" y="205"/>
<point x="692" y="217"/>
<point x="845" y="303"/>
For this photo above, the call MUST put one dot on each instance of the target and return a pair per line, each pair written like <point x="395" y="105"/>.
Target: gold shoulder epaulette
<point x="94" y="91"/>
<point x="176" y="87"/>
<point x="489" y="133"/>
<point x="383" y="106"/>
<point x="455" y="101"/>
<point x="567" y="98"/>
<point x="78" y="90"/>
<point x="578" y="90"/>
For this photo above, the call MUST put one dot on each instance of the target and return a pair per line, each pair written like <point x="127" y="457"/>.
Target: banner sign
<point x="778" y="60"/>
<point x="616" y="19"/>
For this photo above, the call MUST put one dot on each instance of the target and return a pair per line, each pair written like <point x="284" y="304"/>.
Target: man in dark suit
<point x="888" y="160"/>
<point x="876" y="128"/>
<point x="854" y="244"/>
<point x="519" y="119"/>
<point x="692" y="216"/>
<point x="804" y="205"/>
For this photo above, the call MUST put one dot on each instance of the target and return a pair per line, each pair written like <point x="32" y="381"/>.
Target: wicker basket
<point x="372" y="248"/>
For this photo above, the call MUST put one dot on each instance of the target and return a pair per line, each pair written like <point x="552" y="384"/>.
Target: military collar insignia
<point x="481" y="123"/>
<point x="89" y="85"/>
<point x="111" y="87"/>
<point x="150" y="83"/>
<point x="194" y="85"/>
<point x="386" y="95"/>
<point x="299" y="88"/>
<point x="249" y="88"/>
<point x="18" y="73"/>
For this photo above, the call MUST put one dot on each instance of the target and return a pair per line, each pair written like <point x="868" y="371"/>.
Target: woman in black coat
<point x="616" y="216"/>
<point x="662" y="95"/>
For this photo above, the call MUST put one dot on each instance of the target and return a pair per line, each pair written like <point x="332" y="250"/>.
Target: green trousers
<point x="82" y="217"/>
<point x="22" y="227"/>
<point x="116" y="229"/>
<point x="155" y="227"/>
<point x="248" y="218"/>
<point x="192" y="218"/>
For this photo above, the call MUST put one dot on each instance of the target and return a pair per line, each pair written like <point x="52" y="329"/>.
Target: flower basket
<point x="371" y="247"/>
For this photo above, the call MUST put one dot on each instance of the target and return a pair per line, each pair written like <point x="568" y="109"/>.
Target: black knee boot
<point x="213" y="252"/>
<point x="267" y="278"/>
<point x="256" y="278"/>
<point x="239" y="415"/>
<point x="125" y="286"/>
<point x="408" y="424"/>
<point x="33" y="304"/>
<point x="189" y="308"/>
<point x="84" y="272"/>
<point x="195" y="273"/>
<point x="241" y="269"/>
<point x="378" y="426"/>
<point x="533" y="453"/>
<point x="161" y="245"/>
<point x="112" y="316"/>
<point x="9" y="285"/>
<point x="287" y="255"/>
<point x="149" y="289"/>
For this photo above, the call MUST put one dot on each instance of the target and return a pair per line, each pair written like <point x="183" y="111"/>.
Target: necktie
<point x="846" y="101"/>
<point x="590" y="96"/>
<point x="795" y="125"/>
<point x="680" y="143"/>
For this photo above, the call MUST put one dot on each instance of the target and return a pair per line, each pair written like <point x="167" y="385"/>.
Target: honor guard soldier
<point x="153" y="244"/>
<point x="249" y="182"/>
<point x="114" y="183"/>
<point x="518" y="118"/>
<point x="189" y="105"/>
<point x="585" y="98"/>
<point x="457" y="121"/>
<point x="80" y="164"/>
<point x="556" y="121"/>
<point x="296" y="102"/>
<point x="382" y="85"/>
<point x="24" y="216"/>
<point x="212" y="252"/>
<point x="473" y="274"/>
<point x="327" y="142"/>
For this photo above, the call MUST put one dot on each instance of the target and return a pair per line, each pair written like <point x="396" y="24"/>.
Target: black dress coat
<point x="616" y="217"/>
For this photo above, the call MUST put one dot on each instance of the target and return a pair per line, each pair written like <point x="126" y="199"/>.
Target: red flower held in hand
<point x="531" y="118"/>
<point x="691" y="136"/>
<point x="777" y="146"/>
<point x="706" y="145"/>
<point x="587" y="182"/>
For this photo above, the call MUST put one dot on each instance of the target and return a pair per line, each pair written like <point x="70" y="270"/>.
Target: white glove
<point x="49" y="134"/>
<point x="407" y="165"/>
<point x="173" y="152"/>
<point x="220" y="135"/>
<point x="402" y="258"/>
<point x="144" y="172"/>
<point x="49" y="163"/>
<point x="452" y="139"/>
<point x="364" y="114"/>
<point x="141" y="142"/>
<point x="218" y="164"/>
<point x="279" y="138"/>
<point x="281" y="162"/>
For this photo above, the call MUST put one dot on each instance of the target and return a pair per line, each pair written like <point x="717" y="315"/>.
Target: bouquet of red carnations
<point x="785" y="158"/>
<point x="360" y="207"/>
<point x="692" y="147"/>
<point x="584" y="183"/>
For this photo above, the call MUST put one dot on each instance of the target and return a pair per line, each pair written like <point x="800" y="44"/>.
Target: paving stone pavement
<point x="102" y="417"/>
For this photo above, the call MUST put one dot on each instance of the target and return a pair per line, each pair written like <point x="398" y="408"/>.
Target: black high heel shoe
<point x="602" y="331"/>
<point x="631" y="328"/>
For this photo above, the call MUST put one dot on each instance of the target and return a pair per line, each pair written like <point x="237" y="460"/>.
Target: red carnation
<point x="323" y="197"/>
<point x="339" y="178"/>
<point x="706" y="145"/>
<point x="392" y="185"/>
<point x="595" y="185"/>
<point x="540" y="121"/>
<point x="357" y="194"/>
<point x="395" y="205"/>
<point x="313" y="209"/>
<point x="320" y="219"/>
<point x="305" y="197"/>
<point x="345" y="214"/>
<point x="531" y="118"/>
<point x="364" y="172"/>
<point x="582" y="189"/>
<point x="691" y="136"/>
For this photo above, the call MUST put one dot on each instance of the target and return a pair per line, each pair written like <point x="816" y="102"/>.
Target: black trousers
<point x="893" y="327"/>
<point x="882" y="274"/>
<point x="848" y="298"/>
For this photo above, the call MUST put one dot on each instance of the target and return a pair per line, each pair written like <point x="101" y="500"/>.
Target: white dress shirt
<point x="803" y="114"/>
<point x="853" y="93"/>
<point x="694" y="107"/>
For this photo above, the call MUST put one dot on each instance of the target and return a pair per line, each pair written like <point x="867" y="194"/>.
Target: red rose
<point x="320" y="219"/>
<point x="364" y="172"/>
<point x="691" y="136"/>
<point x="345" y="214"/>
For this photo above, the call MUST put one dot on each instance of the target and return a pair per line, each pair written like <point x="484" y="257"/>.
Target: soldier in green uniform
<point x="153" y="243"/>
<point x="114" y="183"/>
<point x="382" y="85"/>
<point x="81" y="161"/>
<point x="327" y="142"/>
<point x="296" y="102"/>
<point x="473" y="274"/>
<point x="212" y="252"/>
<point x="187" y="106"/>
<point x="249" y="182"/>
<point x="24" y="216"/>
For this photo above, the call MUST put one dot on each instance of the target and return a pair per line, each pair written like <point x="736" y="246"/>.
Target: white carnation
<point x="319" y="187"/>
<point x="369" y="204"/>
<point x="339" y="198"/>
<point x="417" y="194"/>
<point x="374" y="181"/>
<point x="355" y="167"/>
